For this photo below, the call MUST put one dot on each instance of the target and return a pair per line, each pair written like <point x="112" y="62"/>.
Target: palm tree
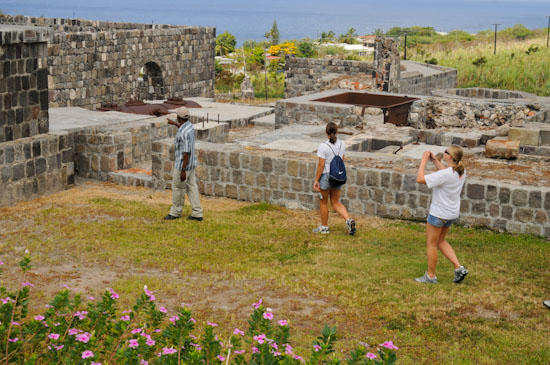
<point x="349" y="37"/>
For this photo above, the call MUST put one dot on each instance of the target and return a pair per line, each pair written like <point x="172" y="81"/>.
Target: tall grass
<point x="511" y="68"/>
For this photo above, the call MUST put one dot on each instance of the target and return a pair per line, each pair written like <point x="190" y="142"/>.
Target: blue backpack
<point x="337" y="174"/>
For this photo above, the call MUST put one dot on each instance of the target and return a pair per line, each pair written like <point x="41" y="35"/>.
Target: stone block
<point x="498" y="148"/>
<point x="519" y="197"/>
<point x="475" y="191"/>
<point x="535" y="199"/>
<point x="373" y="178"/>
<point x="504" y="195"/>
<point x="231" y="191"/>
<point x="525" y="136"/>
<point x="524" y="215"/>
<point x="544" y="137"/>
<point x="292" y="168"/>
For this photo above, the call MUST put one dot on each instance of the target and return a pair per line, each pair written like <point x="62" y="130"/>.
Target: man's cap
<point x="182" y="112"/>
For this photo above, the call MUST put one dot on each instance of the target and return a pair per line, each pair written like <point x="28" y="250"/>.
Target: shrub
<point x="71" y="332"/>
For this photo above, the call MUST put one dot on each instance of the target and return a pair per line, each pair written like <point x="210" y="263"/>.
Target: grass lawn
<point x="96" y="236"/>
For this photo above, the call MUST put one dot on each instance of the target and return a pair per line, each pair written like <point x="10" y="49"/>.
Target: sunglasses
<point x="447" y="152"/>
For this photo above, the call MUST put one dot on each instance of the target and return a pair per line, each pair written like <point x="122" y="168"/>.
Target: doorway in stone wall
<point x="150" y="83"/>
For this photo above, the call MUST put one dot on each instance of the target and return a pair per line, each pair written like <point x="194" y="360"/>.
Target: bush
<point x="71" y="332"/>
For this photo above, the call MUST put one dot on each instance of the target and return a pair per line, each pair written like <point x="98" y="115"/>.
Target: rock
<point x="501" y="148"/>
<point x="503" y="130"/>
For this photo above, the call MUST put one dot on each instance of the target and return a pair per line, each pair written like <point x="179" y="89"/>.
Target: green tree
<point x="250" y="44"/>
<point x="306" y="50"/>
<point x="274" y="34"/>
<point x="378" y="31"/>
<point x="518" y="31"/>
<point x="225" y="43"/>
<point x="327" y="37"/>
<point x="349" y="37"/>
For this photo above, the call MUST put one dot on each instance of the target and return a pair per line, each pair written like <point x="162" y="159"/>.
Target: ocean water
<point x="251" y="19"/>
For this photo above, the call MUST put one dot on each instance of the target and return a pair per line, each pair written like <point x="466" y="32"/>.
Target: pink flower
<point x="255" y="350"/>
<point x="239" y="352"/>
<point x="163" y="310"/>
<point x="57" y="324"/>
<point x="15" y="323"/>
<point x="91" y="298"/>
<point x="152" y="298"/>
<point x="136" y="330"/>
<point x="143" y="334"/>
<point x="38" y="318"/>
<point x="86" y="354"/>
<point x="389" y="345"/>
<point x="211" y="324"/>
<point x="238" y="332"/>
<point x="174" y="319"/>
<point x="58" y="347"/>
<point x="73" y="331"/>
<point x="221" y="358"/>
<point x="53" y="336"/>
<point x="288" y="349"/>
<point x="150" y="342"/>
<point x="196" y="346"/>
<point x="84" y="337"/>
<point x="276" y="353"/>
<point x="1" y="262"/>
<point x="15" y="339"/>
<point x="260" y="338"/>
<point x="192" y="320"/>
<point x="26" y="283"/>
<point x="95" y="363"/>
<point x="133" y="343"/>
<point x="298" y="358"/>
<point x="125" y="318"/>
<point x="257" y="305"/>
<point x="168" y="351"/>
<point x="143" y="362"/>
<point x="6" y="300"/>
<point x="81" y="315"/>
<point x="114" y="295"/>
<point x="316" y="348"/>
<point x="371" y="356"/>
<point x="274" y="345"/>
<point x="268" y="315"/>
<point x="283" y="322"/>
<point x="157" y="330"/>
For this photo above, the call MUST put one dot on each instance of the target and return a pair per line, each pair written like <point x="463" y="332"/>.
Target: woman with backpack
<point x="329" y="181"/>
<point x="447" y="185"/>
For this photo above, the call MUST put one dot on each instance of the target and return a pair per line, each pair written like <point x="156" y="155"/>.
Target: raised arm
<point x="420" y="174"/>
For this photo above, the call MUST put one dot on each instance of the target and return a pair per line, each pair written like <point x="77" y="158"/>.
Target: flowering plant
<point x="74" y="331"/>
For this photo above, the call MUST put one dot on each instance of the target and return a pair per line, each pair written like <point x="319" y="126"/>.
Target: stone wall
<point x="102" y="150"/>
<point x="34" y="166"/>
<point x="92" y="62"/>
<point x="287" y="179"/>
<point x="23" y="83"/>
<point x="425" y="84"/>
<point x="307" y="75"/>
<point x="435" y="112"/>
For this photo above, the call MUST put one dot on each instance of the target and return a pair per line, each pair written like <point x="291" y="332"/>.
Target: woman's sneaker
<point x="426" y="279"/>
<point x="351" y="226"/>
<point x="460" y="274"/>
<point x="321" y="229"/>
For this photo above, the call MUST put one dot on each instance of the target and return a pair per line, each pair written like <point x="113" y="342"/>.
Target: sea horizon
<point x="250" y="20"/>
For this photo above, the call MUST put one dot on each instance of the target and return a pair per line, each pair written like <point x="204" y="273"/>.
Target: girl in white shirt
<point x="326" y="152"/>
<point x="447" y="185"/>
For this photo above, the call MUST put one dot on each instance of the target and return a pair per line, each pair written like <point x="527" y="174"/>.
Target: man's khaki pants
<point x="180" y="188"/>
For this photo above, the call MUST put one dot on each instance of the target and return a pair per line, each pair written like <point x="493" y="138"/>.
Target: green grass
<point x="496" y="316"/>
<point x="511" y="68"/>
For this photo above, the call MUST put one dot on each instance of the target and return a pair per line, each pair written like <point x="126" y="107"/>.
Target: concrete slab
<point x="416" y="150"/>
<point x="295" y="145"/>
<point x="227" y="112"/>
<point x="73" y="118"/>
<point x="525" y="136"/>
<point x="266" y="121"/>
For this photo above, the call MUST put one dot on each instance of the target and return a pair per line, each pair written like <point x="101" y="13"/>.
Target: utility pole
<point x="265" y="74"/>
<point x="405" y="55"/>
<point x="496" y="25"/>
<point x="548" y="32"/>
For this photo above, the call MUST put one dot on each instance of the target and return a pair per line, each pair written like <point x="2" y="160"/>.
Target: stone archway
<point x="150" y="83"/>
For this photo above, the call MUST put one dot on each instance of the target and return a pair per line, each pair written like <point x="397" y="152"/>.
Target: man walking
<point x="184" y="180"/>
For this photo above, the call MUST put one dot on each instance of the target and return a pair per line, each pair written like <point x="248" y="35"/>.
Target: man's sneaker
<point x="191" y="218"/>
<point x="426" y="279"/>
<point x="170" y="217"/>
<point x="321" y="229"/>
<point x="460" y="274"/>
<point x="351" y="226"/>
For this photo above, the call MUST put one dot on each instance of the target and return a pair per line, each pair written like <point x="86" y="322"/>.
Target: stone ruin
<point x="261" y="153"/>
